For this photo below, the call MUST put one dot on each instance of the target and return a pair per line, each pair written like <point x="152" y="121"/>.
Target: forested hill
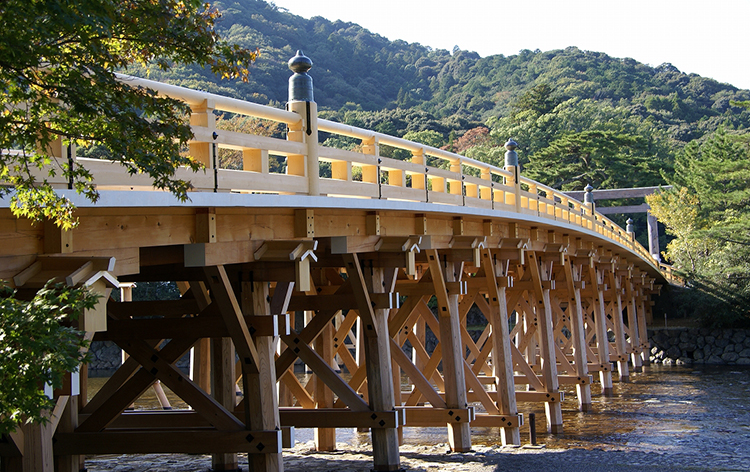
<point x="351" y="64"/>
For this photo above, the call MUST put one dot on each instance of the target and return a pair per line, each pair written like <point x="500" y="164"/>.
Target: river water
<point x="700" y="412"/>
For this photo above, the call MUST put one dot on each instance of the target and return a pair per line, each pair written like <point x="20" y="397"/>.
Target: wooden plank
<point x="545" y="397"/>
<point x="483" y="420"/>
<point x="187" y="442"/>
<point x="436" y="417"/>
<point x="181" y="328"/>
<point x="338" y="418"/>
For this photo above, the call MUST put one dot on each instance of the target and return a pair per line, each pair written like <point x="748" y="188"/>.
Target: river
<point x="698" y="415"/>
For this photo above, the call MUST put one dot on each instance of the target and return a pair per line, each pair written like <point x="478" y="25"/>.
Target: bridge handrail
<point x="381" y="177"/>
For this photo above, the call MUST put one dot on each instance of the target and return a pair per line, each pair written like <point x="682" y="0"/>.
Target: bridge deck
<point x="253" y="247"/>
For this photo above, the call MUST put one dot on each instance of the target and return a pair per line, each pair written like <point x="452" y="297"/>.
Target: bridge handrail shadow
<point x="431" y="175"/>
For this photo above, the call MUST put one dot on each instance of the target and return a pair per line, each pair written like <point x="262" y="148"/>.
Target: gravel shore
<point x="435" y="458"/>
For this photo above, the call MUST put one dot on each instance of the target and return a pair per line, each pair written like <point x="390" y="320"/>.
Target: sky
<point x="709" y="38"/>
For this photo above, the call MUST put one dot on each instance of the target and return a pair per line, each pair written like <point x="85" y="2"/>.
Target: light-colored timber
<point x="362" y="258"/>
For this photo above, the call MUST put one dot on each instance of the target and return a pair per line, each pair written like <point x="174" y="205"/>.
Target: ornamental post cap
<point x="630" y="221"/>
<point x="300" y="63"/>
<point x="511" y="145"/>
<point x="589" y="188"/>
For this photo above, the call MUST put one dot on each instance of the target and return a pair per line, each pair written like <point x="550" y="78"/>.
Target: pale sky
<point x="708" y="37"/>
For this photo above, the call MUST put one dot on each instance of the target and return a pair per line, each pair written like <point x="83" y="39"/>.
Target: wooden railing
<point x="445" y="178"/>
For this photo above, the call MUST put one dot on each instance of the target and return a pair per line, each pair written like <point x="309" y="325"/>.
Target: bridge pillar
<point x="572" y="272"/>
<point x="653" y="236"/>
<point x="459" y="434"/>
<point x="301" y="102"/>
<point x="502" y="361"/>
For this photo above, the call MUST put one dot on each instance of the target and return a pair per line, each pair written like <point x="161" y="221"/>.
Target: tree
<point x="57" y="75"/>
<point x="57" y="71"/>
<point x="539" y="100"/>
<point x="602" y="158"/>
<point x="37" y="349"/>
<point x="708" y="214"/>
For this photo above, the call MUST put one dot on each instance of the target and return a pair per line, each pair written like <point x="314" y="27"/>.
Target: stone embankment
<point x="699" y="346"/>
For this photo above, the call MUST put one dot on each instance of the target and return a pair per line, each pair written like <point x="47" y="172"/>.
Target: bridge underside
<point x="561" y="304"/>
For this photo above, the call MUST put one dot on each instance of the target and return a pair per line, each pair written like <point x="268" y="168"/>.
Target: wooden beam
<point x="223" y="294"/>
<point x="338" y="418"/>
<point x="321" y="368"/>
<point x="152" y="442"/>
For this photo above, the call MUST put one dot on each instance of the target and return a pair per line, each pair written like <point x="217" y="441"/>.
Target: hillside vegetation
<point x="353" y="65"/>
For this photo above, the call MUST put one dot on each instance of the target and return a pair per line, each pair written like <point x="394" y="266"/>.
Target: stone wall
<point x="699" y="346"/>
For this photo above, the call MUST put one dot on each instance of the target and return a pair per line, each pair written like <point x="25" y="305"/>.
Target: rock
<point x="722" y="343"/>
<point x="667" y="361"/>
<point x="744" y="353"/>
<point x="715" y="360"/>
<point x="700" y="341"/>
<point x="730" y="356"/>
<point x="738" y="336"/>
<point x="698" y="355"/>
<point x="684" y="361"/>
<point x="674" y="352"/>
<point x="729" y="348"/>
<point x="710" y="340"/>
<point x="688" y="346"/>
<point x="743" y="361"/>
<point x="684" y="337"/>
<point x="674" y="341"/>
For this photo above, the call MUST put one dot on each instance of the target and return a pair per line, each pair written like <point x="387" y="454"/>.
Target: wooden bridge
<point x="378" y="252"/>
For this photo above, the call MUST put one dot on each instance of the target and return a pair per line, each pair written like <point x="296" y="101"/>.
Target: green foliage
<point x="57" y="72"/>
<point x="602" y="158"/>
<point x="353" y="65"/>
<point x="36" y="348"/>
<point x="708" y="214"/>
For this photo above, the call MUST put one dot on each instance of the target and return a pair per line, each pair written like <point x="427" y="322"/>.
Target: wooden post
<point x="264" y="407"/>
<point x="622" y="363"/>
<point x="68" y="423"/>
<point x="378" y="354"/>
<point x="643" y="331"/>
<point x="459" y="434"/>
<point x="543" y="307"/>
<point x="575" y="313"/>
<point x="222" y="389"/>
<point x="602" y="341"/>
<point x="502" y="362"/>
<point x="635" y="338"/>
<point x="325" y="438"/>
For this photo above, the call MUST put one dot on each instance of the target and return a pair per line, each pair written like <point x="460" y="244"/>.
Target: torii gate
<point x="590" y="195"/>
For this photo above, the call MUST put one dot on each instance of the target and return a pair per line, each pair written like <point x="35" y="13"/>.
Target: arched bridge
<point x="369" y="252"/>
